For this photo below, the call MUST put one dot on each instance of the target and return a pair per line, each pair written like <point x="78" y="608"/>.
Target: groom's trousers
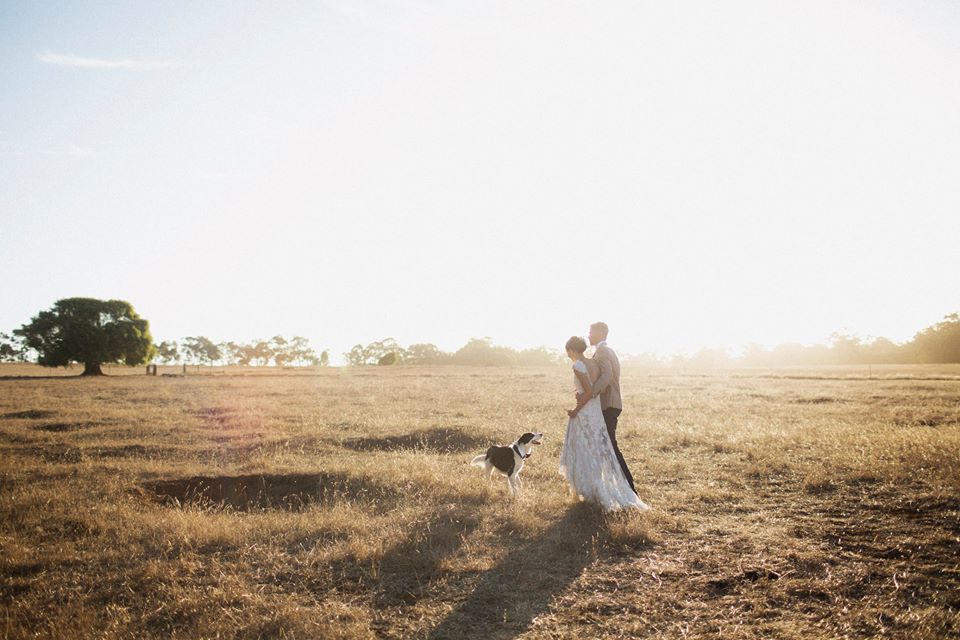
<point x="610" y="416"/>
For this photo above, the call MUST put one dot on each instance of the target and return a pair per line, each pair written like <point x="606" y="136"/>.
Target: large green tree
<point x="91" y="331"/>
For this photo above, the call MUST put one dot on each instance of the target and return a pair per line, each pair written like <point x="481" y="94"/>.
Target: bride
<point x="587" y="460"/>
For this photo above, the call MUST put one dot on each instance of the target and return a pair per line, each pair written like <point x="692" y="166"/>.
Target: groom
<point x="607" y="387"/>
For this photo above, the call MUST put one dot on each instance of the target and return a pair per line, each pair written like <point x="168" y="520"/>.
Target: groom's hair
<point x="576" y="344"/>
<point x="602" y="328"/>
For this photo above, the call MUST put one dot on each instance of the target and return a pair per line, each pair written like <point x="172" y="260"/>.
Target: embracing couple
<point x="591" y="460"/>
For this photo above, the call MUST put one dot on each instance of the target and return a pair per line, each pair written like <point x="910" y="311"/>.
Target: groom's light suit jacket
<point x="608" y="384"/>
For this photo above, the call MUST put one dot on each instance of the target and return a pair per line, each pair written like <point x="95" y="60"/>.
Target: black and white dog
<point x="509" y="460"/>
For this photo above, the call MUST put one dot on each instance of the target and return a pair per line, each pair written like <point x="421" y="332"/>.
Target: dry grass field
<point x="339" y="504"/>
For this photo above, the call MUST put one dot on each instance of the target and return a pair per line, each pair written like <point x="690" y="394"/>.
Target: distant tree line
<point x="196" y="350"/>
<point x="95" y="332"/>
<point x="937" y="344"/>
<point x="277" y="351"/>
<point x="476" y="352"/>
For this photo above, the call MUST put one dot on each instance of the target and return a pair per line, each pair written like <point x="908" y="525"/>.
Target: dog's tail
<point x="479" y="461"/>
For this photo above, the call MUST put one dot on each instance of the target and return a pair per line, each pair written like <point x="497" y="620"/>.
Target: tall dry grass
<point x="340" y="504"/>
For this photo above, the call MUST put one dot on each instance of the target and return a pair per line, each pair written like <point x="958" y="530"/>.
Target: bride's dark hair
<point x="576" y="344"/>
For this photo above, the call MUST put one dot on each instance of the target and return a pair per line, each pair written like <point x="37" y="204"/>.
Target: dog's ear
<point x="525" y="438"/>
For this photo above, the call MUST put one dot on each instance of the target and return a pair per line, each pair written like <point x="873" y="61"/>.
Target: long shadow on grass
<point x="408" y="568"/>
<point x="506" y="599"/>
<point x="443" y="439"/>
<point x="290" y="492"/>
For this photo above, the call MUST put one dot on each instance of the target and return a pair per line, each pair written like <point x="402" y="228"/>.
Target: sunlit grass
<point x="341" y="504"/>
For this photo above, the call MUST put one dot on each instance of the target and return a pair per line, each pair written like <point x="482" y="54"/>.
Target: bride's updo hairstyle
<point x="576" y="344"/>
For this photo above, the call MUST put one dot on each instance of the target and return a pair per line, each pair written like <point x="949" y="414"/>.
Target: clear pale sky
<point x="693" y="173"/>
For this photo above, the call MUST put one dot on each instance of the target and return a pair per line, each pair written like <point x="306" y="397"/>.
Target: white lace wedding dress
<point x="588" y="461"/>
